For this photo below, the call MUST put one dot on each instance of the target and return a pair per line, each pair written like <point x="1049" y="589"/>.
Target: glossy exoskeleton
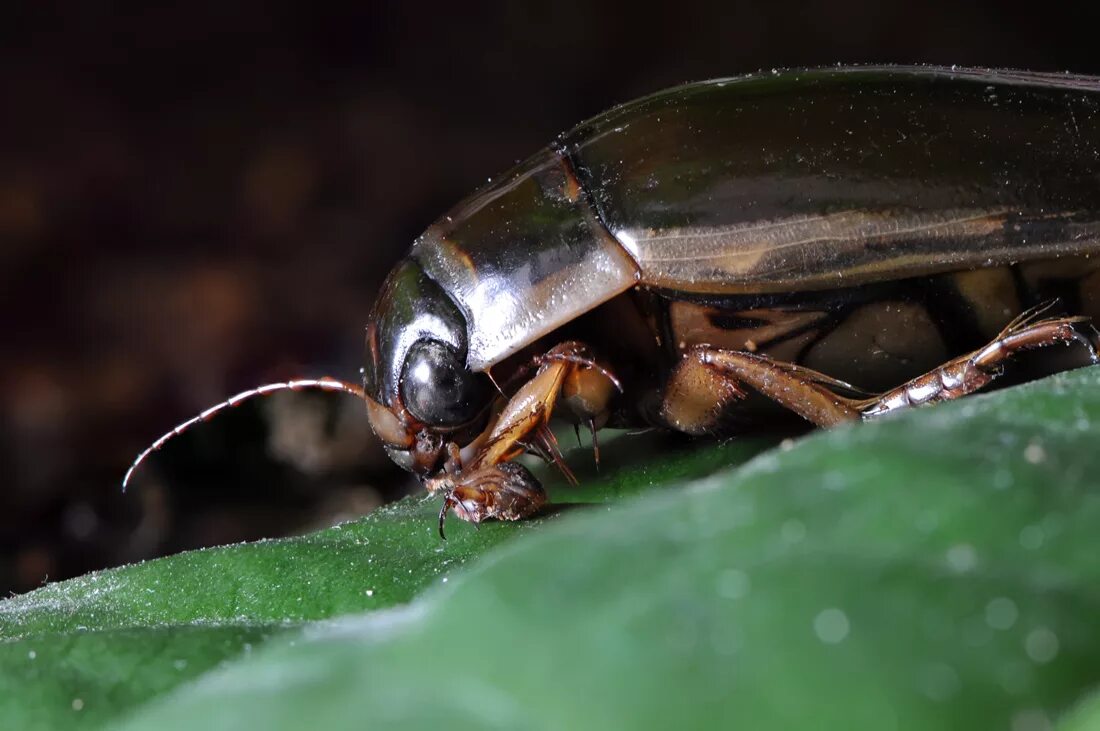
<point x="705" y="257"/>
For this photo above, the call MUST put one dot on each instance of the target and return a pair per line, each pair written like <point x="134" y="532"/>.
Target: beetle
<point x="726" y="252"/>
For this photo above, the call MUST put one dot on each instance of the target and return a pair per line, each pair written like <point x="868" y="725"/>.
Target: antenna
<point x="302" y="384"/>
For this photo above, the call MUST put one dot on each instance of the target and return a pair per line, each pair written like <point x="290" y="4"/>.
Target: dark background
<point x="195" y="200"/>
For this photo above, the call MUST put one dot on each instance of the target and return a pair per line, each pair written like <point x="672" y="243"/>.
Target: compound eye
<point x="438" y="389"/>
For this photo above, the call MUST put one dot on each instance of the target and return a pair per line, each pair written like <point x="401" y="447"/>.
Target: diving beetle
<point x="722" y="252"/>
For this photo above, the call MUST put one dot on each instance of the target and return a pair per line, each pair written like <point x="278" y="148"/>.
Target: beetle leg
<point x="570" y="351"/>
<point x="585" y="387"/>
<point x="448" y="503"/>
<point x="972" y="371"/>
<point x="708" y="379"/>
<point x="545" y="446"/>
<point x="525" y="412"/>
<point x="506" y="491"/>
<point x="549" y="444"/>
<point x="595" y="443"/>
<point x="485" y="484"/>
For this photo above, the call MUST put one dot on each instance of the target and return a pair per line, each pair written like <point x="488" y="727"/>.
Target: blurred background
<point x="199" y="199"/>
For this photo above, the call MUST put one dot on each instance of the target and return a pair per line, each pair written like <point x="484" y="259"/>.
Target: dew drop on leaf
<point x="962" y="558"/>
<point x="1001" y="613"/>
<point x="1041" y="645"/>
<point x="831" y="626"/>
<point x="1034" y="453"/>
<point x="939" y="682"/>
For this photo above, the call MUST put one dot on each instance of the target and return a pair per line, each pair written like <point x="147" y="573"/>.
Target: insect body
<point x="717" y="253"/>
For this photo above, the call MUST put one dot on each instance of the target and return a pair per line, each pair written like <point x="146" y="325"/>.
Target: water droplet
<point x="831" y="626"/>
<point x="1001" y="613"/>
<point x="962" y="558"/>
<point x="939" y="682"/>
<point x="733" y="584"/>
<point x="1034" y="453"/>
<point x="1041" y="645"/>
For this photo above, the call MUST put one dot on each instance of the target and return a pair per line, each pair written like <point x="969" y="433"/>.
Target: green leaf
<point x="83" y="678"/>
<point x="80" y="652"/>
<point x="1086" y="717"/>
<point x="937" y="570"/>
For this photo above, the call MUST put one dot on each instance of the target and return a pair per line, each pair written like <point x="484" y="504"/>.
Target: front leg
<point x="567" y="372"/>
<point x="505" y="491"/>
<point x="485" y="484"/>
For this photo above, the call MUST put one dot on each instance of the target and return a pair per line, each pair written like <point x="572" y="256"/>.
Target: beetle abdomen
<point x="837" y="177"/>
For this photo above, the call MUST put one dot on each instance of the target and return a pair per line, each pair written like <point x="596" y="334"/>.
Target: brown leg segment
<point x="708" y="379"/>
<point x="481" y="482"/>
<point x="506" y="491"/>
<point x="972" y="371"/>
<point x="567" y="371"/>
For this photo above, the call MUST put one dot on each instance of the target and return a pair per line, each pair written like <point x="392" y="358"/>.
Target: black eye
<point x="438" y="389"/>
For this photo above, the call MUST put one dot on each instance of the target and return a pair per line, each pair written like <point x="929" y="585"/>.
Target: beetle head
<point x="420" y="392"/>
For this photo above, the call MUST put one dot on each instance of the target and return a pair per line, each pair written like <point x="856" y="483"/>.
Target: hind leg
<point x="972" y="371"/>
<point x="708" y="379"/>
